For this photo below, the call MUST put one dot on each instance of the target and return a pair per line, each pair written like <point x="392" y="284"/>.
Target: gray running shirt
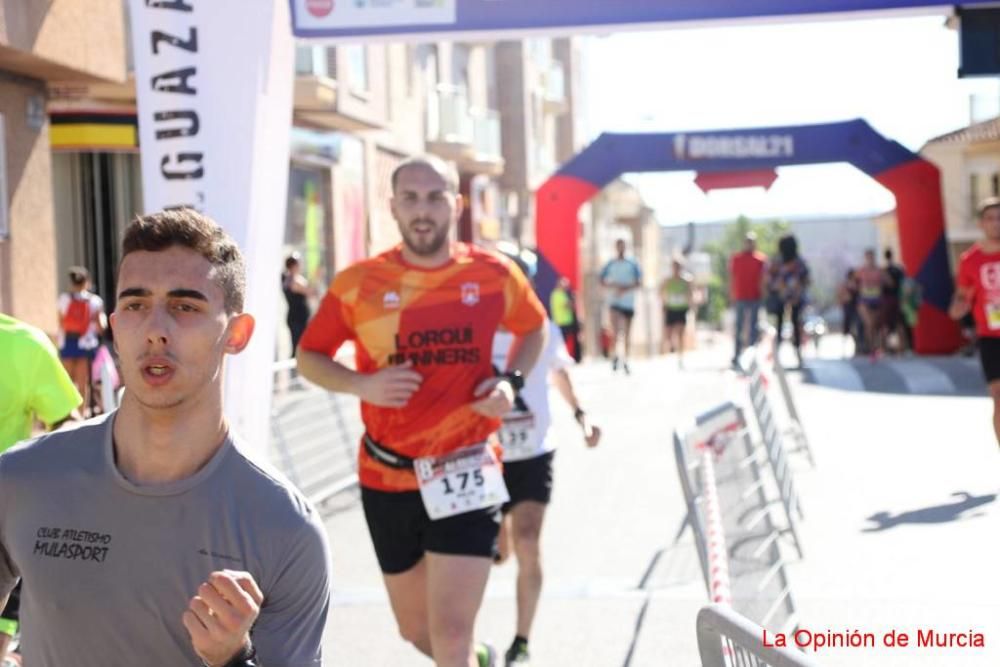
<point x="109" y="567"/>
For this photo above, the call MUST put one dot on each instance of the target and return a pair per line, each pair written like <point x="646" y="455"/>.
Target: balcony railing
<point x="448" y="116"/>
<point x="555" y="83"/>
<point x="486" y="132"/>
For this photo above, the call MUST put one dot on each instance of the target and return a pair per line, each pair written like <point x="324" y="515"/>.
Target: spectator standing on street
<point x="81" y="323"/>
<point x="150" y="535"/>
<point x="747" y="274"/>
<point x="297" y="292"/>
<point x="623" y="277"/>
<point x="892" y="290"/>
<point x="793" y="283"/>
<point x="912" y="297"/>
<point x="847" y="295"/>
<point x="562" y="306"/>
<point x="978" y="293"/>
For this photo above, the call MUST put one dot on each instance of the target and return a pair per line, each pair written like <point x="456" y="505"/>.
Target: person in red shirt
<point x="422" y="317"/>
<point x="746" y="279"/>
<point x="978" y="293"/>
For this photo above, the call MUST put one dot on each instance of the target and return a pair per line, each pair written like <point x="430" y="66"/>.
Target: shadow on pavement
<point x="934" y="514"/>
<point x="925" y="376"/>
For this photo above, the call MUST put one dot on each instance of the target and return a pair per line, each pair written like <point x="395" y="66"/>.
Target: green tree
<point x="720" y="251"/>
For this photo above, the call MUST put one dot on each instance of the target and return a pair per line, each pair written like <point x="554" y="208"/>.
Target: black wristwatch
<point x="516" y="380"/>
<point x="245" y="658"/>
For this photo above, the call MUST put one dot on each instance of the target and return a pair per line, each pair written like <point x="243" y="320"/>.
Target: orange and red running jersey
<point x="443" y="320"/>
<point x="981" y="272"/>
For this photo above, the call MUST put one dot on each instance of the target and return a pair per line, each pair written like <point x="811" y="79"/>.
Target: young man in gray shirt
<point x="150" y="536"/>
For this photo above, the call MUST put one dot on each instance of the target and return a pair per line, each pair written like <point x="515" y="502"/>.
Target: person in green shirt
<point x="562" y="310"/>
<point x="34" y="385"/>
<point x="676" y="292"/>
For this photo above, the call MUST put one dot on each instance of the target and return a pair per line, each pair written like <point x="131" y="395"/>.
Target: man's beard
<point x="432" y="246"/>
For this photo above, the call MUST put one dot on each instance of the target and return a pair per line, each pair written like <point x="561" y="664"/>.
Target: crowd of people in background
<point x="880" y="305"/>
<point x="780" y="283"/>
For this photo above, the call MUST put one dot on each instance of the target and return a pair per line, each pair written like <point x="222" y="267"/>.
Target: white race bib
<point x="462" y="481"/>
<point x="677" y="300"/>
<point x="517" y="435"/>
<point x="993" y="315"/>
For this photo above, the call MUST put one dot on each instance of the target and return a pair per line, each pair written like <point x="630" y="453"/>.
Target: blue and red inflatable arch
<point x="915" y="183"/>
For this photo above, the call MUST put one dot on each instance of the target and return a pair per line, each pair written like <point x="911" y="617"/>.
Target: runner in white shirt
<point x="528" y="452"/>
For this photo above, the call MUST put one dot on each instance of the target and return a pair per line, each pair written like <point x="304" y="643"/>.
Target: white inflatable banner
<point x="214" y="82"/>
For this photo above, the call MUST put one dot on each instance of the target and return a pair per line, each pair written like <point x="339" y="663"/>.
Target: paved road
<point x="900" y="531"/>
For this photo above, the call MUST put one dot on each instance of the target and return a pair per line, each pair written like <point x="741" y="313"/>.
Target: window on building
<point x="96" y="195"/>
<point x="974" y="196"/>
<point x="330" y="62"/>
<point x="460" y="65"/>
<point x="304" y="60"/>
<point x="357" y="67"/>
<point x="307" y="219"/>
<point x="410" y="73"/>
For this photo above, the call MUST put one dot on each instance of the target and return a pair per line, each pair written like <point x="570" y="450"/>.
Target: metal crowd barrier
<point x="727" y="639"/>
<point x="777" y="455"/>
<point x="314" y="434"/>
<point x="794" y="429"/>
<point x="725" y="486"/>
<point x="695" y="518"/>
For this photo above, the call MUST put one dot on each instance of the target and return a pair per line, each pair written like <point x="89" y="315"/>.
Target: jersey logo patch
<point x="390" y="300"/>
<point x="989" y="275"/>
<point x="470" y="294"/>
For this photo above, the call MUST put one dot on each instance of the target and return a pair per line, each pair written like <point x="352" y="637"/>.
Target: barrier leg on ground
<point x="774" y="447"/>
<point x="726" y="639"/>
<point x="795" y="429"/>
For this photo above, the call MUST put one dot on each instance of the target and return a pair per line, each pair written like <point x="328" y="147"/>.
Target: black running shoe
<point x="517" y="655"/>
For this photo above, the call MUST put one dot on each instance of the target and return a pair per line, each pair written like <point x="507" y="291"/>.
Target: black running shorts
<point x="627" y="313"/>
<point x="675" y="317"/>
<point x="989" y="356"/>
<point x="402" y="532"/>
<point x="530" y="479"/>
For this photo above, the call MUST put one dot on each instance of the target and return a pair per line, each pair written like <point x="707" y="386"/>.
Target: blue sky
<point x="898" y="73"/>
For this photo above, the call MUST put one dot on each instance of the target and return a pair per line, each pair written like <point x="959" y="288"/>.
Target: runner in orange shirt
<point x="422" y="317"/>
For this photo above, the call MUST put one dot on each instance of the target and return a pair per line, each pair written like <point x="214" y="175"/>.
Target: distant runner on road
<point x="978" y="293"/>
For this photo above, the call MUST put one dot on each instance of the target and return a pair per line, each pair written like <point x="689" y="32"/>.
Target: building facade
<point x="969" y="161"/>
<point x="43" y="46"/>
<point x="502" y="112"/>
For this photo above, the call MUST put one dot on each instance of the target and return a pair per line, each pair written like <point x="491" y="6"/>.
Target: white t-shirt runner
<point x="525" y="435"/>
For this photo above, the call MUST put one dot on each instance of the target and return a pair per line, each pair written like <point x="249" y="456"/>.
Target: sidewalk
<point x="902" y="525"/>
